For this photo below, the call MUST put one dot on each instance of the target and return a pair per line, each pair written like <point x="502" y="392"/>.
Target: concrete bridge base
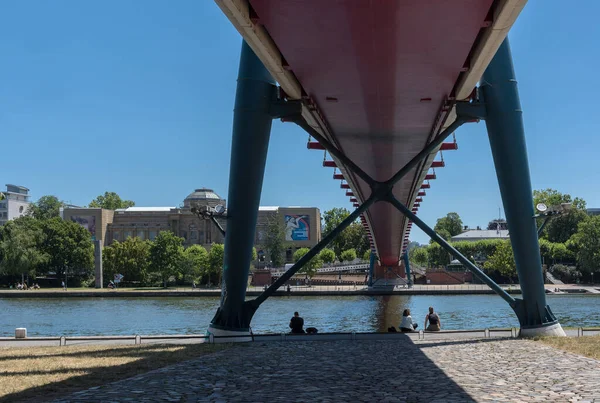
<point x="543" y="331"/>
<point x="228" y="336"/>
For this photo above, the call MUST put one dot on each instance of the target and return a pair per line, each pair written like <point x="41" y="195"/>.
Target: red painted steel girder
<point x="429" y="177"/>
<point x="329" y="164"/>
<point x="344" y="186"/>
<point x="314" y="145"/>
<point x="438" y="164"/>
<point x="449" y="146"/>
<point x="338" y="176"/>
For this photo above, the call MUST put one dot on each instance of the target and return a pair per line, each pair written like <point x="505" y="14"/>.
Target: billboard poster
<point x="297" y="227"/>
<point x="88" y="222"/>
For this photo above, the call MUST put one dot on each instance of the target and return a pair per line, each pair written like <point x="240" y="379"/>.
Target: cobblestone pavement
<point x="367" y="371"/>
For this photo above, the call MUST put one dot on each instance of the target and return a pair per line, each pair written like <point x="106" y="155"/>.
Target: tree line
<point x="569" y="243"/>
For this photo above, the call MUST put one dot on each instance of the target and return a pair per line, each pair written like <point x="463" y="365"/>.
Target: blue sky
<point x="136" y="97"/>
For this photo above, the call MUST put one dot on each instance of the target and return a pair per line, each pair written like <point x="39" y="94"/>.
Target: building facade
<point x="15" y="204"/>
<point x="301" y="225"/>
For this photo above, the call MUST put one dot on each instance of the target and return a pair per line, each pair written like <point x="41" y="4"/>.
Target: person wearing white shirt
<point x="407" y="324"/>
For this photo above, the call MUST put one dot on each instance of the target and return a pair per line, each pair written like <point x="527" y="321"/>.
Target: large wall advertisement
<point x="297" y="227"/>
<point x="88" y="222"/>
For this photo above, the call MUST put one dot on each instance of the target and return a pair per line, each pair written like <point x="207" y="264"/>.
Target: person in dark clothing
<point x="297" y="323"/>
<point x="435" y="324"/>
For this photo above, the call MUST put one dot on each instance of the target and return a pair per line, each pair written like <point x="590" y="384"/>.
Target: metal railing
<point x="486" y="333"/>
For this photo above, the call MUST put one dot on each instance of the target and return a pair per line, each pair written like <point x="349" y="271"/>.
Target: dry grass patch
<point x="28" y="373"/>
<point x="588" y="346"/>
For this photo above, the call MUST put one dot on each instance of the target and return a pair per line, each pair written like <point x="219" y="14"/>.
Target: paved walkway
<point x="368" y="371"/>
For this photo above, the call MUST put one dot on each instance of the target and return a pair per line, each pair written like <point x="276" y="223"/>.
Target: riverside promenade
<point x="399" y="370"/>
<point x="419" y="289"/>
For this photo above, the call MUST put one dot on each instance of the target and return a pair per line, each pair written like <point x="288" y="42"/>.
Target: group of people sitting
<point x="24" y="286"/>
<point x="408" y="325"/>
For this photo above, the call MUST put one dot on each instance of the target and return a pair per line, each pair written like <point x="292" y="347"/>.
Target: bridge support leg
<point x="252" y="120"/>
<point x="507" y="140"/>
<point x="407" y="269"/>
<point x="372" y="263"/>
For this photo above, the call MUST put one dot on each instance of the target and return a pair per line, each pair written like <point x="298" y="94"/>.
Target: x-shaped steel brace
<point x="380" y="191"/>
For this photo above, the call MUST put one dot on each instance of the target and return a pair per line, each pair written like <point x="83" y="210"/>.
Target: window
<point x="141" y="234"/>
<point x="21" y="209"/>
<point x="193" y="235"/>
<point x="184" y="235"/>
<point x="116" y="235"/>
<point x="5" y="215"/>
<point x="152" y="235"/>
<point x="200" y="236"/>
<point x="127" y="234"/>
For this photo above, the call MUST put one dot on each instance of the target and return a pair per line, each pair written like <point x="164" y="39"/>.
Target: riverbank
<point x="301" y="291"/>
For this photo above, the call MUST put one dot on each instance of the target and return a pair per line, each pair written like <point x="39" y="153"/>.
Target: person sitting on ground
<point x="435" y="324"/>
<point x="297" y="323"/>
<point x="407" y="325"/>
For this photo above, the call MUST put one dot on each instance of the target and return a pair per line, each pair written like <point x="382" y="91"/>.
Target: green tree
<point x="502" y="260"/>
<point x="327" y="256"/>
<point x="587" y="245"/>
<point x="19" y="247"/>
<point x="438" y="257"/>
<point x="310" y="268"/>
<point x="166" y="255"/>
<point x="194" y="264"/>
<point x="273" y="241"/>
<point x="353" y="237"/>
<point x="450" y="223"/>
<point x="552" y="197"/>
<point x="111" y="201"/>
<point x="215" y="261"/>
<point x="69" y="248"/>
<point x="131" y="258"/>
<point x="348" y="255"/>
<point x="367" y="255"/>
<point x="45" y="208"/>
<point x="560" y="228"/>
<point x="419" y="256"/>
<point x="356" y="238"/>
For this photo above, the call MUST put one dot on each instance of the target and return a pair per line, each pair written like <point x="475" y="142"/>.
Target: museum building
<point x="301" y="225"/>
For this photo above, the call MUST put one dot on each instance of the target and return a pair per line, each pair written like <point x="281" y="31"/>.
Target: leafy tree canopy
<point x="195" y="263"/>
<point x="45" y="208"/>
<point x="215" y="260"/>
<point x="587" y="244"/>
<point x="310" y="268"/>
<point x="353" y="237"/>
<point x="451" y="223"/>
<point x="502" y="260"/>
<point x="274" y="241"/>
<point x="562" y="227"/>
<point x="131" y="258"/>
<point x="68" y="246"/>
<point x="111" y="201"/>
<point x="327" y="255"/>
<point x="348" y="255"/>
<point x="166" y="255"/>
<point x="19" y="247"/>
<point x="419" y="256"/>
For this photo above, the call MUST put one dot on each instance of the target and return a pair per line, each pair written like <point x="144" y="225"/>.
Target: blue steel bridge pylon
<point x="257" y="103"/>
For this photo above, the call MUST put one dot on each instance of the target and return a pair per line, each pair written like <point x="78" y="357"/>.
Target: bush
<point x="348" y="255"/>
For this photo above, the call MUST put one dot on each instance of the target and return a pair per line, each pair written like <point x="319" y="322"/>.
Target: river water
<point x="177" y="315"/>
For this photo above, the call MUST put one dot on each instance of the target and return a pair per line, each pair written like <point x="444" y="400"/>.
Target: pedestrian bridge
<point x="380" y="87"/>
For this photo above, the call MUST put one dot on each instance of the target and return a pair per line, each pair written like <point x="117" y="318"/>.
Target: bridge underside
<point x="379" y="85"/>
<point x="379" y="76"/>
